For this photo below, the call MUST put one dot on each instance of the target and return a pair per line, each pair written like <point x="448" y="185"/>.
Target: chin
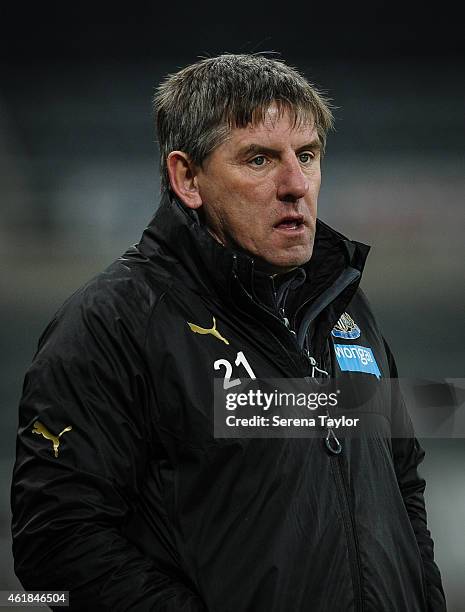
<point x="281" y="265"/>
<point x="292" y="260"/>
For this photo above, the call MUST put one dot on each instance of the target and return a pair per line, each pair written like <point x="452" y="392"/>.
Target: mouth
<point x="290" y="223"/>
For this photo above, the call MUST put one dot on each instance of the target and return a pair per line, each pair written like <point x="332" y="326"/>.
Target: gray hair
<point x="196" y="108"/>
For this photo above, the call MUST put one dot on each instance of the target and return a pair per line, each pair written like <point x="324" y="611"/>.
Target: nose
<point x="292" y="182"/>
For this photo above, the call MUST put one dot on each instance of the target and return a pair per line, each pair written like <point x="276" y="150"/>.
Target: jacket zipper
<point x="351" y="534"/>
<point x="334" y="447"/>
<point x="332" y="444"/>
<point x="280" y="321"/>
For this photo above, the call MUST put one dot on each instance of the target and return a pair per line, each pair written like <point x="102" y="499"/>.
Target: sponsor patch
<point x="356" y="359"/>
<point x="346" y="328"/>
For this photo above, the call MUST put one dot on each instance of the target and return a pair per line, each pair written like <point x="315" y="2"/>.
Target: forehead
<point x="278" y="126"/>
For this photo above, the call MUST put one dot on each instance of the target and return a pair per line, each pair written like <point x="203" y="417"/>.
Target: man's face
<point x="259" y="191"/>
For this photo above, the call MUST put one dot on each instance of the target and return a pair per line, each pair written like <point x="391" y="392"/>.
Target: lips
<point x="289" y="222"/>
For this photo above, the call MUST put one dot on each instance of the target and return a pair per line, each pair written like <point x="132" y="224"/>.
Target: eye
<point x="259" y="160"/>
<point x="306" y="157"/>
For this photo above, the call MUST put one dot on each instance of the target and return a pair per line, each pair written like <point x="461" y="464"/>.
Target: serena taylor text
<point x="277" y="421"/>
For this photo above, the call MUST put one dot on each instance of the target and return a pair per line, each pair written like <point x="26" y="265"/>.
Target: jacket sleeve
<point x="84" y="442"/>
<point x="408" y="454"/>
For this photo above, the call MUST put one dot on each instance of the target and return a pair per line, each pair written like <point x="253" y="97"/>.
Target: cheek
<point x="252" y="196"/>
<point x="312" y="194"/>
<point x="260" y="196"/>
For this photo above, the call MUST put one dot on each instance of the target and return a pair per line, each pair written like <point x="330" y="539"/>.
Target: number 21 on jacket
<point x="240" y="360"/>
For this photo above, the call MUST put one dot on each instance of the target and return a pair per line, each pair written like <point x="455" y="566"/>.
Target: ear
<point x="182" y="174"/>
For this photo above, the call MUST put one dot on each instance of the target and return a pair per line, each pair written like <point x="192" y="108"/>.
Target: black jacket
<point x="140" y="507"/>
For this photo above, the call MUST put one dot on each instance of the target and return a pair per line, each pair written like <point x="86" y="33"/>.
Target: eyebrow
<point x="253" y="149"/>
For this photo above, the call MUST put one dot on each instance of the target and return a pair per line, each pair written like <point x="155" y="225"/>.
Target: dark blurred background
<point x="79" y="182"/>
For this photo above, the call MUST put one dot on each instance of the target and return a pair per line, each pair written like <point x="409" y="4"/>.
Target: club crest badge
<point x="346" y="328"/>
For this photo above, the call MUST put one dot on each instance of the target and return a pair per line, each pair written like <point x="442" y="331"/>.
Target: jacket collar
<point x="205" y="265"/>
<point x="177" y="230"/>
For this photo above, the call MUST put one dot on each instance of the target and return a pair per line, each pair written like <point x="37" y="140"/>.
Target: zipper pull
<point x="284" y="318"/>
<point x="332" y="443"/>
<point x="311" y="359"/>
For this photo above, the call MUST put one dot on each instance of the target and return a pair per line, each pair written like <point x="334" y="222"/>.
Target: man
<point x="122" y="494"/>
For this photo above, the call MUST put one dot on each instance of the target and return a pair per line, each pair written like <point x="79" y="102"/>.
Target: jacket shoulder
<point x="118" y="301"/>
